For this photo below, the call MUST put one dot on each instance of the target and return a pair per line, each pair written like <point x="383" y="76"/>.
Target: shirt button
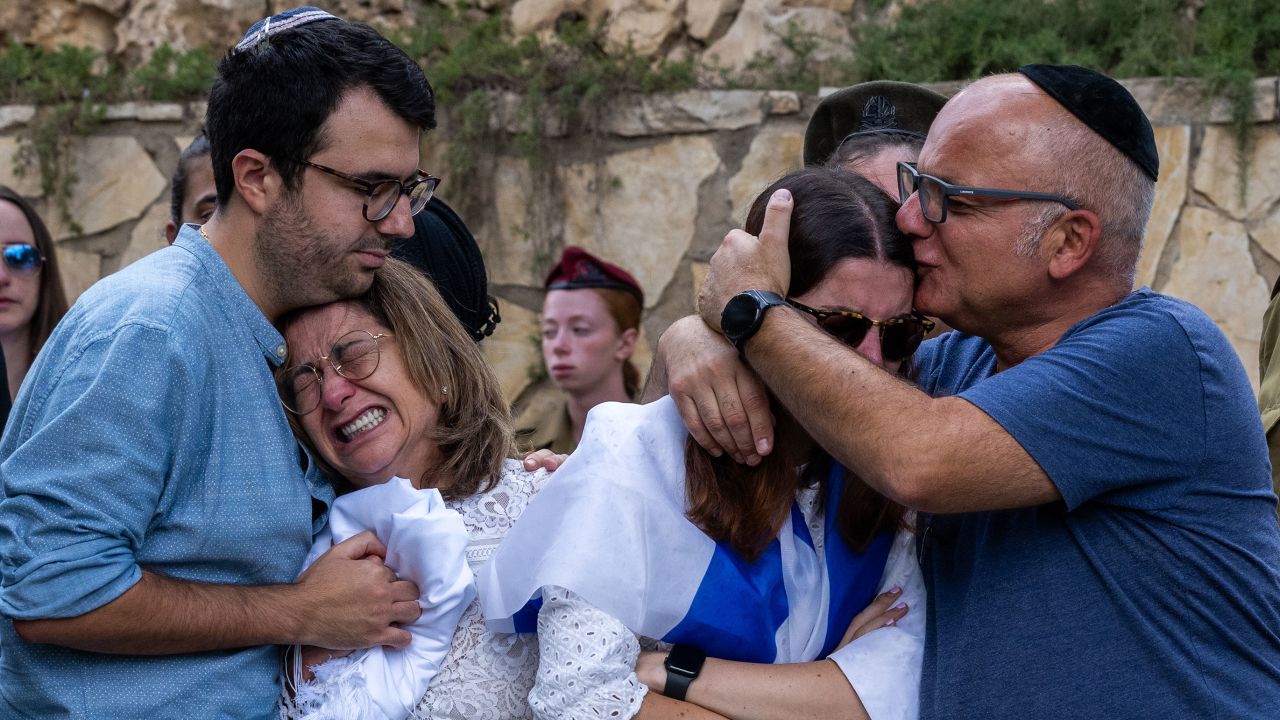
<point x="282" y="352"/>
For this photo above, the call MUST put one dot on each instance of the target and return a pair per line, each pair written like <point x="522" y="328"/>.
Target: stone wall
<point x="725" y="33"/>
<point x="658" y="189"/>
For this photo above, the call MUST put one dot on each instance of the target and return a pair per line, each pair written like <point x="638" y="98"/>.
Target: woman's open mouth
<point x="367" y="421"/>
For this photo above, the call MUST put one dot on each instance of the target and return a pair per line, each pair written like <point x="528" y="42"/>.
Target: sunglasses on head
<point x="899" y="335"/>
<point x="23" y="258"/>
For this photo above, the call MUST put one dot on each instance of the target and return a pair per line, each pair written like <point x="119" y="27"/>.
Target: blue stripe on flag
<point x="526" y="618"/>
<point x="738" y="607"/>
<point x="854" y="576"/>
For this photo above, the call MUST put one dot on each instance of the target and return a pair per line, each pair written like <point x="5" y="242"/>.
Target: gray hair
<point x="1102" y="179"/>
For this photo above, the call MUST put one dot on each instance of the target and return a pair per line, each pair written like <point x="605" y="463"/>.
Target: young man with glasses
<point x="156" y="507"/>
<point x="1101" y="536"/>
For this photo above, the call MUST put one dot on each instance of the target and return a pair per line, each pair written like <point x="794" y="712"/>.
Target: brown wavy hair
<point x="51" y="300"/>
<point x="473" y="430"/>
<point x="836" y="215"/>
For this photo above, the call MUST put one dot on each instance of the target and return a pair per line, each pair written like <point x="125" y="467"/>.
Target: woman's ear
<point x="627" y="343"/>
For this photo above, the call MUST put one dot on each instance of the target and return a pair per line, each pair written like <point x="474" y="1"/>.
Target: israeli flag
<point x="610" y="525"/>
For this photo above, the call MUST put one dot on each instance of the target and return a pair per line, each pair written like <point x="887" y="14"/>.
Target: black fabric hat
<point x="445" y="250"/>
<point x="882" y="106"/>
<point x="1105" y="106"/>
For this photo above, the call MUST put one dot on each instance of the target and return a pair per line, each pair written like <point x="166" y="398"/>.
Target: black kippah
<point x="1105" y="106"/>
<point x="445" y="250"/>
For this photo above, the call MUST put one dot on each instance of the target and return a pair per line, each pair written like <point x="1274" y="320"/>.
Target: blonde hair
<point x="474" y="430"/>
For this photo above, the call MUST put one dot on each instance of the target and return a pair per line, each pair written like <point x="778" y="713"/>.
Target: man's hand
<point x="745" y="262"/>
<point x="722" y="402"/>
<point x="351" y="599"/>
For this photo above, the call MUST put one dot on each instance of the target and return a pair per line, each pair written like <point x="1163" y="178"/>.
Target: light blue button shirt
<point x="148" y="434"/>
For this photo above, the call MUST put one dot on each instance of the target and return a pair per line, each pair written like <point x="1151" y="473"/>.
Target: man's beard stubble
<point x="300" y="264"/>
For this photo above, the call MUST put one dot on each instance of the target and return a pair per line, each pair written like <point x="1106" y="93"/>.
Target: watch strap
<point x="677" y="685"/>
<point x="683" y="664"/>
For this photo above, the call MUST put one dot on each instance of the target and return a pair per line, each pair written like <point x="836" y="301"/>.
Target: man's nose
<point x="910" y="218"/>
<point x="398" y="224"/>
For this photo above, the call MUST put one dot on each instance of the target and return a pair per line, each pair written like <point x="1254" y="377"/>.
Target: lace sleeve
<point x="587" y="666"/>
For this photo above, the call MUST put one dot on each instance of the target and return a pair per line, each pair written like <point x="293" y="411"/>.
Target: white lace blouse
<point x="487" y="676"/>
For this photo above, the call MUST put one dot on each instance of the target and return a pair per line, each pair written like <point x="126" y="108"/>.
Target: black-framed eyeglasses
<point x="900" y="335"/>
<point x="935" y="193"/>
<point x="384" y="194"/>
<point x="354" y="356"/>
<point x="23" y="258"/>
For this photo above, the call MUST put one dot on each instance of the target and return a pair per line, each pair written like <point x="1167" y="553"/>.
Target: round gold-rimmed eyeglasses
<point x="354" y="356"/>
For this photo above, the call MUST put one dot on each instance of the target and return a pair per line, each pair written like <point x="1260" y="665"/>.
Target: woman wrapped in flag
<point x="760" y="586"/>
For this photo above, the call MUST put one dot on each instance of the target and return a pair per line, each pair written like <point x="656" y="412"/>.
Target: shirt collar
<point x="235" y="300"/>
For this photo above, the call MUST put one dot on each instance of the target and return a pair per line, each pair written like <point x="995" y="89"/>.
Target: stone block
<point x="514" y="349"/>
<point x="1215" y="271"/>
<point x="16" y="115"/>
<point x="27" y="184"/>
<point x="1267" y="234"/>
<point x="509" y="116"/>
<point x="79" y="270"/>
<point x="703" y="17"/>
<point x="643" y="220"/>
<point x="1174" y="146"/>
<point x="118" y="182"/>
<point x="147" y="235"/>
<point x="1217" y="172"/>
<point x="782" y="102"/>
<point x="775" y="151"/>
<point x="1188" y="101"/>
<point x="185" y="25"/>
<point x="686" y="112"/>
<point x="145" y="111"/>
<point x="529" y="16"/>
<point x="643" y="25"/>
<point x="510" y="252"/>
<point x="760" y="26"/>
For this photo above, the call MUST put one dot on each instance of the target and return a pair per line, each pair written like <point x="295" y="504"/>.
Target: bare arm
<point x="791" y="691"/>
<point x="931" y="454"/>
<point x="938" y="455"/>
<point x="661" y="707"/>
<point x="347" y="599"/>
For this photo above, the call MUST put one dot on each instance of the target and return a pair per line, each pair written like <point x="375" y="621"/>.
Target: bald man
<point x="1098" y="530"/>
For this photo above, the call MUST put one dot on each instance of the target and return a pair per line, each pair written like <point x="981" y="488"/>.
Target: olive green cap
<point x="870" y="107"/>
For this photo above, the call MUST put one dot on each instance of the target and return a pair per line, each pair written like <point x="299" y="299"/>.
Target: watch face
<point x="739" y="315"/>
<point x="686" y="660"/>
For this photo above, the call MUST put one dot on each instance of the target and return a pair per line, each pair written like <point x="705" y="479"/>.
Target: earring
<point x="444" y="389"/>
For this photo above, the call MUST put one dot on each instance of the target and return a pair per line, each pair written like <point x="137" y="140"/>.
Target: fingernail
<point x="753" y="460"/>
<point x="782" y="194"/>
<point x="899" y="606"/>
<point x="890" y="621"/>
<point x="895" y="589"/>
<point x="716" y="452"/>
<point x="762" y="446"/>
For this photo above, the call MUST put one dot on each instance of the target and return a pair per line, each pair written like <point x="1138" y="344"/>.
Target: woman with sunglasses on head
<point x="642" y="537"/>
<point x="31" y="296"/>
<point x="393" y="397"/>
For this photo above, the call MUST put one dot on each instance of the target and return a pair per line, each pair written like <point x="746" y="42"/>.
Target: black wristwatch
<point x="744" y="313"/>
<point x="683" y="664"/>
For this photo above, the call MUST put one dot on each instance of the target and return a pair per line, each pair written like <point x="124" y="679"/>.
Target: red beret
<point x="580" y="269"/>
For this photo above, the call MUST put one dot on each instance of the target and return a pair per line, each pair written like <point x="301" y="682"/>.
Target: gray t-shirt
<point x="1153" y="588"/>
